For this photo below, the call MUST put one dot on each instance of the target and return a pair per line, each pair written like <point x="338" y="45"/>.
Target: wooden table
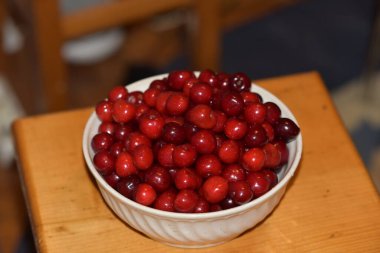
<point x="330" y="206"/>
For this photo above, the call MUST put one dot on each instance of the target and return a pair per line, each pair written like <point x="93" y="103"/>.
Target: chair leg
<point x="206" y="35"/>
<point x="47" y="39"/>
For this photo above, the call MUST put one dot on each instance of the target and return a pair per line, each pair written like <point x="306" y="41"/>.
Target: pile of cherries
<point x="191" y="144"/>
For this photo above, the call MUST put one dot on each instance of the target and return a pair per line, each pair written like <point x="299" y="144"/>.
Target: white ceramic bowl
<point x="186" y="229"/>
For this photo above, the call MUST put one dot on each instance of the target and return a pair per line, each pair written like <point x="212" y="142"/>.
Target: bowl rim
<point x="193" y="216"/>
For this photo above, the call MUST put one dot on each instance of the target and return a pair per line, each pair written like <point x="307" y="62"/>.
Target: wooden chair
<point x="50" y="30"/>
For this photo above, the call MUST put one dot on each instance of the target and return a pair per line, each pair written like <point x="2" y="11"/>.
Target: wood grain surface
<point x="330" y="206"/>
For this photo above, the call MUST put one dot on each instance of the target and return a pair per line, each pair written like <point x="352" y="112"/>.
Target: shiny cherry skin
<point x="104" y="110"/>
<point x="177" y="79"/>
<point x="208" y="76"/>
<point x="232" y="104"/>
<point x="151" y="124"/>
<point x="122" y="111"/>
<point x="104" y="162"/>
<point x="122" y="131"/>
<point x="271" y="176"/>
<point x="145" y="194"/>
<point x="177" y="104"/>
<point x="201" y="116"/>
<point x="202" y="206"/>
<point x="117" y="92"/>
<point x="184" y="155"/>
<point x="150" y="96"/>
<point x="215" y="189"/>
<point x="286" y="129"/>
<point x="272" y="156"/>
<point x="112" y="179"/>
<point x="127" y="185"/>
<point x="107" y="127"/>
<point x="273" y="112"/>
<point x="173" y="133"/>
<point x="253" y="159"/>
<point x="136" y="139"/>
<point x="258" y="182"/>
<point x="203" y="141"/>
<point x="229" y="151"/>
<point x="186" y="178"/>
<point x="135" y="97"/>
<point x="256" y="136"/>
<point x="255" y="113"/>
<point x="200" y="93"/>
<point x="208" y="165"/>
<point x="233" y="173"/>
<point x="165" y="155"/>
<point x="159" y="84"/>
<point x="284" y="152"/>
<point x="240" y="82"/>
<point x="165" y="201"/>
<point x="186" y="201"/>
<point x="159" y="178"/>
<point x="124" y="165"/>
<point x="101" y="141"/>
<point x="240" y="192"/>
<point x="143" y="157"/>
<point x="235" y="128"/>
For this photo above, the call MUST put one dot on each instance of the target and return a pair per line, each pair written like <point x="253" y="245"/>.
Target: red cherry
<point x="233" y="173"/>
<point x="251" y="97"/>
<point x="215" y="189"/>
<point x="159" y="178"/>
<point x="201" y="116"/>
<point x="161" y="85"/>
<point x="104" y="110"/>
<point x="240" y="82"/>
<point x="122" y="131"/>
<point x="124" y="165"/>
<point x="202" y="206"/>
<point x="235" y="129"/>
<point x="200" y="93"/>
<point x="284" y="152"/>
<point x="165" y="201"/>
<point x="122" y="111"/>
<point x="107" y="127"/>
<point x="145" y="194"/>
<point x="173" y="133"/>
<point x="135" y="97"/>
<point x="229" y="151"/>
<point x="186" y="201"/>
<point x="101" y="141"/>
<point x="151" y="124"/>
<point x="177" y="104"/>
<point x="208" y="165"/>
<point x="150" y="96"/>
<point x="177" y="79"/>
<point x="143" y="157"/>
<point x="272" y="156"/>
<point x="258" y="182"/>
<point x="118" y="92"/>
<point x="104" y="162"/>
<point x="127" y="186"/>
<point x="253" y="159"/>
<point x="165" y="155"/>
<point x="186" y="178"/>
<point x="134" y="140"/>
<point x="273" y="112"/>
<point x="208" y="76"/>
<point x="271" y="177"/>
<point x="184" y="155"/>
<point x="203" y="141"/>
<point x="240" y="192"/>
<point x="112" y="179"/>
<point x="232" y="103"/>
<point x="255" y="113"/>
